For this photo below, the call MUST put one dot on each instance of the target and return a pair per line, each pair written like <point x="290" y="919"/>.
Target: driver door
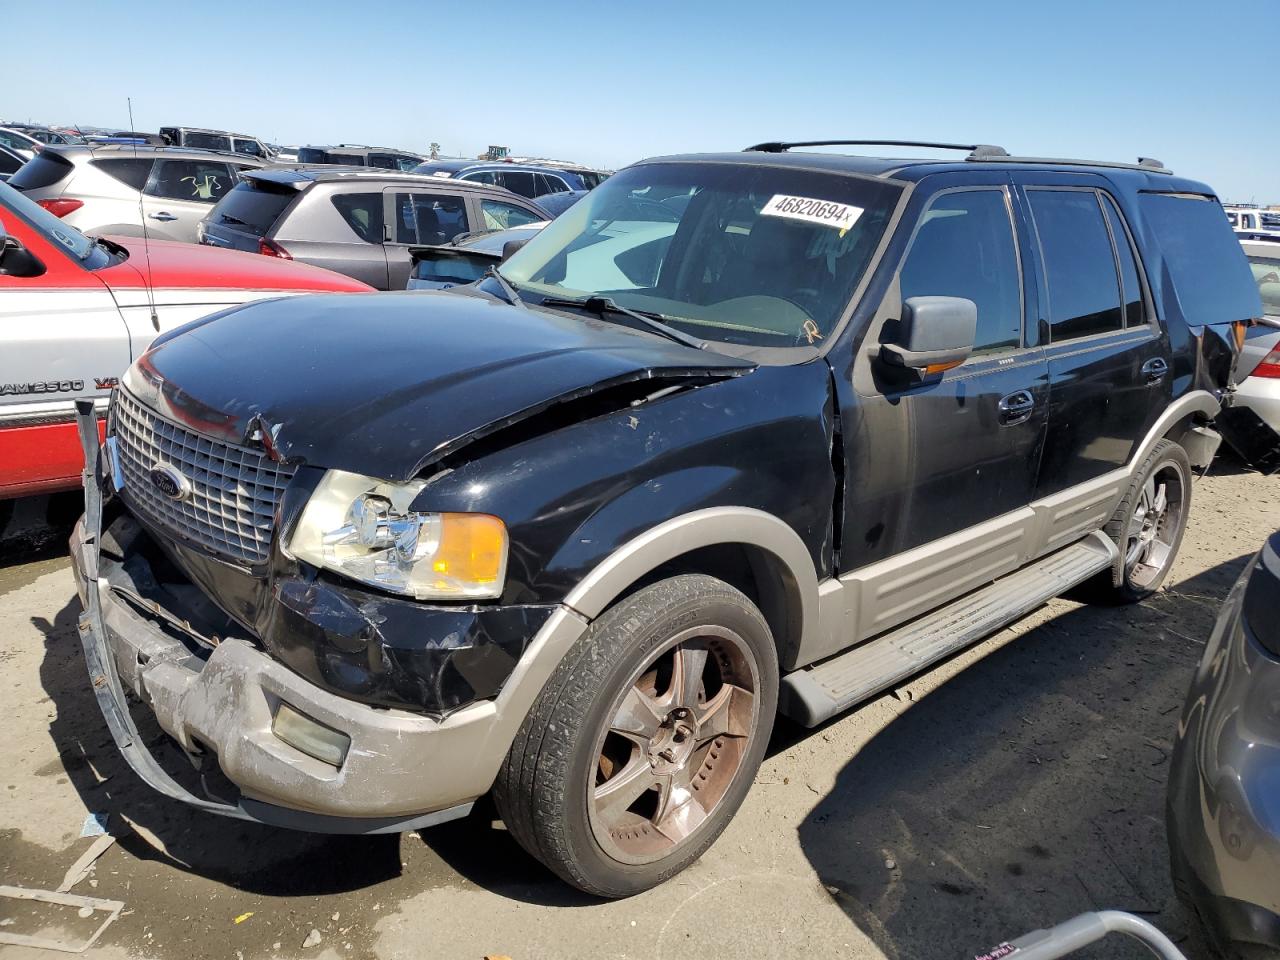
<point x="944" y="465"/>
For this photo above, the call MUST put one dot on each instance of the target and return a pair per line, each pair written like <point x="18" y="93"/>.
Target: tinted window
<point x="384" y="161"/>
<point x="43" y="170"/>
<point x="429" y="218"/>
<point x="549" y="184"/>
<point x="1266" y="274"/>
<point x="1084" y="292"/>
<point x="9" y="162"/>
<point x="483" y="176"/>
<point x="206" y="141"/>
<point x="131" y="172"/>
<point x="965" y="248"/>
<point x="519" y="182"/>
<point x="1130" y="286"/>
<point x="500" y="216"/>
<point x="363" y="213"/>
<point x="1203" y="258"/>
<point x="250" y="147"/>
<point x="252" y="207"/>
<point x="312" y="155"/>
<point x="200" y="181"/>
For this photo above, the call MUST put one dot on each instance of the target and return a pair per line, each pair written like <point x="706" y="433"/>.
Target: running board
<point x="814" y="694"/>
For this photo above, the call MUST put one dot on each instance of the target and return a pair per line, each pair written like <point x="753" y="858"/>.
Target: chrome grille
<point x="234" y="490"/>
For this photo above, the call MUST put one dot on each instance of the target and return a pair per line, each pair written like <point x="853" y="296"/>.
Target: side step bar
<point x="817" y="693"/>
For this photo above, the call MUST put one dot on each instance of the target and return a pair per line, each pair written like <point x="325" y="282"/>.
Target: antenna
<point x="146" y="241"/>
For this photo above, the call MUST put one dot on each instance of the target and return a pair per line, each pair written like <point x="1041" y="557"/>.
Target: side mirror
<point x="510" y="247"/>
<point x="934" y="334"/>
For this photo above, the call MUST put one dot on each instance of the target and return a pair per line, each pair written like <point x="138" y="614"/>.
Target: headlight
<point x="363" y="528"/>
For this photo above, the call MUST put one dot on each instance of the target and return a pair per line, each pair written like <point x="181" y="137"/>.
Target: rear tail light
<point x="269" y="248"/>
<point x="1269" y="367"/>
<point x="60" y="208"/>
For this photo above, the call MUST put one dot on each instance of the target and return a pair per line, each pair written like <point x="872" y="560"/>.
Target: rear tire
<point x="646" y="738"/>
<point x="1147" y="527"/>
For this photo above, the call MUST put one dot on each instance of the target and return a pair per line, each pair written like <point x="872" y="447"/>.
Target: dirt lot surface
<point x="1019" y="784"/>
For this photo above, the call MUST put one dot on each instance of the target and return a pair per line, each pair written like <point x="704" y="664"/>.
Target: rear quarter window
<point x="131" y="172"/>
<point x="1210" y="274"/>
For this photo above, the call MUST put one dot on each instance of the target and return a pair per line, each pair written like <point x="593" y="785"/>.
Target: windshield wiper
<point x="602" y="305"/>
<point x="228" y="218"/>
<point x="513" y="295"/>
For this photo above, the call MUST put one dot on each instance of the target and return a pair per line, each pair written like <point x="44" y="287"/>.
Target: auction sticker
<point x="841" y="216"/>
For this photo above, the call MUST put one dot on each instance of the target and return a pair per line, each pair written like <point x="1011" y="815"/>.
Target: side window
<point x="965" y="248"/>
<point x="206" y="141"/>
<point x="1266" y="274"/>
<point x="549" y="184"/>
<point x="131" y="172"/>
<point x="429" y="218"/>
<point x="199" y="181"/>
<point x="383" y="161"/>
<point x="1130" y="286"/>
<point x="500" y="216"/>
<point x="1247" y="221"/>
<point x="518" y="181"/>
<point x="483" y="176"/>
<point x="248" y="147"/>
<point x="363" y="214"/>
<point x="10" y="162"/>
<point x="1080" y="268"/>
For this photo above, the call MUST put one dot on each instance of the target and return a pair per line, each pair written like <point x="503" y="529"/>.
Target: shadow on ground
<point x="1025" y="790"/>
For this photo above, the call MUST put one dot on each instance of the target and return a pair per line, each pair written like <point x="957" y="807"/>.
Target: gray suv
<point x="357" y="220"/>
<point x="111" y="188"/>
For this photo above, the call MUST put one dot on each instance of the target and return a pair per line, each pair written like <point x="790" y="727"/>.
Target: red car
<point x="75" y="311"/>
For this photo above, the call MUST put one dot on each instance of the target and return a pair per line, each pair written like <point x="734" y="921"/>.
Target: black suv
<point x="738" y="433"/>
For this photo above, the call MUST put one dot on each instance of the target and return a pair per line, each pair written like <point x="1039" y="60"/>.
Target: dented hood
<point x="385" y="384"/>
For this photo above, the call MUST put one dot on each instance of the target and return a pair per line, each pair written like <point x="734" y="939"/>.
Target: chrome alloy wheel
<point x="675" y="742"/>
<point x="1155" y="525"/>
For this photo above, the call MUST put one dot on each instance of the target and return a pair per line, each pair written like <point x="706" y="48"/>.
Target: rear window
<point x="451" y="268"/>
<point x="128" y="171"/>
<point x="253" y="208"/>
<point x="44" y="170"/>
<point x="1210" y="275"/>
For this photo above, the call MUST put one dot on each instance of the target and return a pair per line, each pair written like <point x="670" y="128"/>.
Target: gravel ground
<point x="1015" y="786"/>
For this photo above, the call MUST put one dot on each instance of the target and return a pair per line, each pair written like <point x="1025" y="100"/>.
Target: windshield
<point x="737" y="253"/>
<point x="57" y="231"/>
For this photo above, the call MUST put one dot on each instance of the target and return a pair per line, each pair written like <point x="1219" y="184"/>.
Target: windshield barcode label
<point x="842" y="216"/>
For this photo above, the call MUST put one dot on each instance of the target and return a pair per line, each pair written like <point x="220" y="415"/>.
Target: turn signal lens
<point x="473" y="549"/>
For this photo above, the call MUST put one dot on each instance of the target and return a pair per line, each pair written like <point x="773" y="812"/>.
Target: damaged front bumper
<point x="399" y="770"/>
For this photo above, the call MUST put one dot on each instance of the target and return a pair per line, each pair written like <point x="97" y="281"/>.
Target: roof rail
<point x="977" y="151"/>
<point x="1146" y="164"/>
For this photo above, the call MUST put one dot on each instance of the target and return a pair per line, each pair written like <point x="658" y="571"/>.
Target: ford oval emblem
<point x="169" y="480"/>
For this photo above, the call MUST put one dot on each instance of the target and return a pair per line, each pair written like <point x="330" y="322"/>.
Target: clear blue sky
<point x="610" y="83"/>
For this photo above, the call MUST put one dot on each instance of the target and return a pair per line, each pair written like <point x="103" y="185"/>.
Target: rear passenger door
<point x="1109" y="362"/>
<point x="340" y="230"/>
<point x="418" y="217"/>
<point x="180" y="193"/>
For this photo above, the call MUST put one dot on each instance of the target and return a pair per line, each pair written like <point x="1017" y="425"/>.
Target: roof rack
<point x="977" y="151"/>
<point x="1146" y="164"/>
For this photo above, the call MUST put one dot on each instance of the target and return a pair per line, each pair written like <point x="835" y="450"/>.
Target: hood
<point x="174" y="264"/>
<point x="386" y="384"/>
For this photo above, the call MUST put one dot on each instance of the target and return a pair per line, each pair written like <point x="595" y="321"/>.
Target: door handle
<point x="1016" y="408"/>
<point x="1154" y="370"/>
<point x="162" y="216"/>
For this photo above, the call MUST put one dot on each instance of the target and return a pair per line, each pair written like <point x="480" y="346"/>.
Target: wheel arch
<point x="750" y="549"/>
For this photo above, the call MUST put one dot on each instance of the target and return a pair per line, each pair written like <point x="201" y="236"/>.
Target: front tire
<point x="646" y="739"/>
